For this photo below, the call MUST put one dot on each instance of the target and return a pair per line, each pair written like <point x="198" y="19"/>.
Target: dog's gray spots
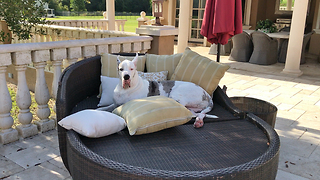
<point x="153" y="88"/>
<point x="167" y="86"/>
<point x="206" y="97"/>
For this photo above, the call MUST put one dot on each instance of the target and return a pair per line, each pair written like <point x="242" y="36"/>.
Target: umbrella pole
<point x="218" y="52"/>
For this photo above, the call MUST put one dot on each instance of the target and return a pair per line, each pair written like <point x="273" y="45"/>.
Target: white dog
<point x="132" y="86"/>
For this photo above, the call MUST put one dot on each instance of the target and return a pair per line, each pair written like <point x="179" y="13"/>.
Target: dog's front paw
<point x="198" y="123"/>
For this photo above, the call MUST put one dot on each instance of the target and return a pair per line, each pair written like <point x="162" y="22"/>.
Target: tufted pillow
<point x="109" y="65"/>
<point x="199" y="70"/>
<point x="156" y="63"/>
<point x="154" y="76"/>
<point x="152" y="114"/>
<point x="93" y="123"/>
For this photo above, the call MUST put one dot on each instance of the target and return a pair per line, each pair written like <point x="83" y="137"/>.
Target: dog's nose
<point x="126" y="77"/>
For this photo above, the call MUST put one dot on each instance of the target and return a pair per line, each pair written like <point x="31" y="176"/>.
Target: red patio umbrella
<point x="222" y="20"/>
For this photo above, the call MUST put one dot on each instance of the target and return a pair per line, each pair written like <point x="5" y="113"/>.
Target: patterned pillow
<point x="156" y="63"/>
<point x="152" y="114"/>
<point x="199" y="70"/>
<point x="154" y="76"/>
<point x="109" y="64"/>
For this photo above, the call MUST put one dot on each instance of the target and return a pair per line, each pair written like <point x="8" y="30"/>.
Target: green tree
<point x="21" y="16"/>
<point x="78" y="5"/>
<point x="96" y="5"/>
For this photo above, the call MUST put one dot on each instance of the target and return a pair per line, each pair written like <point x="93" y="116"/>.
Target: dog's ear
<point x="118" y="60"/>
<point x="135" y="60"/>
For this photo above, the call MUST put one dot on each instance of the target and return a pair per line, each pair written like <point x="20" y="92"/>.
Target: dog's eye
<point x="121" y="69"/>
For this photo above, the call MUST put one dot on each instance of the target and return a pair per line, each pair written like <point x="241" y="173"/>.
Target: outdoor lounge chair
<point x="242" y="47"/>
<point x="237" y="145"/>
<point x="284" y="48"/>
<point x="265" y="49"/>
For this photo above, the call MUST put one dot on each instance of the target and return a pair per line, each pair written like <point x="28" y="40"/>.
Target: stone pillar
<point x="7" y="133"/>
<point x="184" y="25"/>
<point x="73" y="54"/>
<point x="57" y="56"/>
<point x="292" y="65"/>
<point x="26" y="129"/>
<point x="163" y="38"/>
<point x="110" y="12"/>
<point x="42" y="94"/>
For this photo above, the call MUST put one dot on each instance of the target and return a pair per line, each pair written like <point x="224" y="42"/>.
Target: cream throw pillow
<point x="152" y="114"/>
<point x="157" y="63"/>
<point x="199" y="70"/>
<point x="154" y="76"/>
<point x="109" y="65"/>
<point x="93" y="123"/>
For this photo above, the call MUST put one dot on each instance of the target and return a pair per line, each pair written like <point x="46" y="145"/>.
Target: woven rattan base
<point x="236" y="149"/>
<point x="237" y="145"/>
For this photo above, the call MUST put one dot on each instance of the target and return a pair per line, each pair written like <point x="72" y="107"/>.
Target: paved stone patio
<point x="298" y="123"/>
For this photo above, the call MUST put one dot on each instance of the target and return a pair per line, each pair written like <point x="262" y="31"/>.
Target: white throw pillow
<point x="93" y="123"/>
<point x="154" y="76"/>
<point x="108" y="84"/>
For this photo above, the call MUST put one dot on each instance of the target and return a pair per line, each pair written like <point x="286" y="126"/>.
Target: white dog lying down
<point x="132" y="86"/>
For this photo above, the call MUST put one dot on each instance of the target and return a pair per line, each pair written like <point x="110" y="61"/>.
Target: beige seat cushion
<point x="110" y="65"/>
<point x="199" y="70"/>
<point x="152" y="114"/>
<point x="157" y="63"/>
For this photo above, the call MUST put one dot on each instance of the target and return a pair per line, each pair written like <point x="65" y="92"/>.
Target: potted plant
<point x="19" y="17"/>
<point x="266" y="26"/>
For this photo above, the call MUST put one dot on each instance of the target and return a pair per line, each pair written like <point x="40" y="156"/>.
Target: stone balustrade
<point x="91" y="24"/>
<point x="60" y="33"/>
<point x="40" y="54"/>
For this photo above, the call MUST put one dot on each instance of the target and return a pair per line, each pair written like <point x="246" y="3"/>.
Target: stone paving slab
<point x="42" y="171"/>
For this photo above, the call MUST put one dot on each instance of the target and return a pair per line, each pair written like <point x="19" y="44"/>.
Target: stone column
<point x="292" y="65"/>
<point x="57" y="56"/>
<point x="163" y="38"/>
<point x="42" y="94"/>
<point x="184" y="25"/>
<point x="110" y="11"/>
<point x="26" y="129"/>
<point x="73" y="54"/>
<point x="7" y="133"/>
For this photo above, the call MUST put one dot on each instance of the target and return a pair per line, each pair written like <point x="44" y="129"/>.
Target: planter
<point x="5" y="29"/>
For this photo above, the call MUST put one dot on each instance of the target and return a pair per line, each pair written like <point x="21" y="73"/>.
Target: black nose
<point x="126" y="77"/>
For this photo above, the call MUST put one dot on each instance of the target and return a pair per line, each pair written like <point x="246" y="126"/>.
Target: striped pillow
<point x="109" y="65"/>
<point x="157" y="63"/>
<point x="152" y="114"/>
<point x="199" y="70"/>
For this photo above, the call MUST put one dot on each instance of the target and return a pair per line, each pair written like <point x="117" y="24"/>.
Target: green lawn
<point x="130" y="26"/>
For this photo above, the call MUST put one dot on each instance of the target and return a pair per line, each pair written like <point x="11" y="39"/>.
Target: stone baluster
<point x="88" y="51"/>
<point x="100" y="25"/>
<point x="73" y="24"/>
<point x="42" y="94"/>
<point x="26" y="129"/>
<point x="57" y="56"/>
<point x="79" y="24"/>
<point x="73" y="54"/>
<point x="105" y="25"/>
<point x="7" y="133"/>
